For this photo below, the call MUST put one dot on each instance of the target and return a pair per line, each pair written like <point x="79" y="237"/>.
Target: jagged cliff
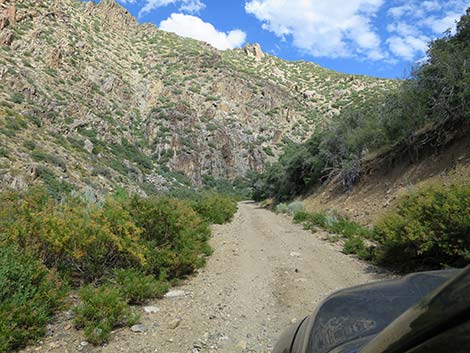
<point x="90" y="97"/>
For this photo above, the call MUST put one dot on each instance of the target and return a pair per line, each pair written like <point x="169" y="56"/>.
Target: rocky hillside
<point x="89" y="97"/>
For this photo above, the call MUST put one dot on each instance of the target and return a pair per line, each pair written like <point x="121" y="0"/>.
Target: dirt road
<point x="265" y="273"/>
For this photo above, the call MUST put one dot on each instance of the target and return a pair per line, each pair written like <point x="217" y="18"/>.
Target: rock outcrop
<point x="255" y="51"/>
<point x="90" y="98"/>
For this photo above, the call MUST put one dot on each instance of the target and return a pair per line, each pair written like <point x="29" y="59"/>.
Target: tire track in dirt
<point x="265" y="273"/>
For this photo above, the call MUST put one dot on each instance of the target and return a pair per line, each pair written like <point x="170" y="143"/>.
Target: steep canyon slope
<point x="90" y="97"/>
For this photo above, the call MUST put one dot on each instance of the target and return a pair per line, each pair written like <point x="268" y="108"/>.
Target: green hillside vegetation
<point x="107" y="102"/>
<point x="430" y="227"/>
<point x="120" y="145"/>
<point x="123" y="249"/>
<point x="436" y="96"/>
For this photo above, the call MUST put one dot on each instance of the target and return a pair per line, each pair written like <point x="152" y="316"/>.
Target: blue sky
<point x="374" y="37"/>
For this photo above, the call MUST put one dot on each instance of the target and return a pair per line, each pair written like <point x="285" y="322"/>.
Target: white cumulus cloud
<point x="355" y="28"/>
<point x="407" y="47"/>
<point x="193" y="27"/>
<point x="328" y="28"/>
<point x="191" y="6"/>
<point x="415" y="23"/>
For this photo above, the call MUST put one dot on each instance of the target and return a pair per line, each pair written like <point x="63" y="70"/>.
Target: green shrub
<point x="429" y="230"/>
<point x="49" y="158"/>
<point x="300" y="216"/>
<point x="84" y="241"/>
<point x="132" y="152"/>
<point x="214" y="207"/>
<point x="3" y="152"/>
<point x="291" y="208"/>
<point x="316" y="220"/>
<point x="333" y="223"/>
<point x="136" y="243"/>
<point x="55" y="187"/>
<point x="295" y="207"/>
<point x="137" y="287"/>
<point x="356" y="245"/>
<point x="344" y="226"/>
<point x="238" y="188"/>
<point x="17" y="97"/>
<point x="175" y="236"/>
<point x="29" y="295"/>
<point x="282" y="208"/>
<point x="102" y="309"/>
<point x="30" y="145"/>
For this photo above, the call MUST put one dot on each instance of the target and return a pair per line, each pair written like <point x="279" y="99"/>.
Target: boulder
<point x="11" y="12"/>
<point x="88" y="146"/>
<point x="6" y="38"/>
<point x="4" y="21"/>
<point x="308" y="94"/>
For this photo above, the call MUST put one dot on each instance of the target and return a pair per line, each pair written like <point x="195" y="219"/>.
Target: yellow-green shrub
<point x="214" y="207"/>
<point x="173" y="233"/>
<point x="430" y="229"/>
<point x="85" y="241"/>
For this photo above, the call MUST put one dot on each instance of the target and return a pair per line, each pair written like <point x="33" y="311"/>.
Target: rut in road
<point x="265" y="273"/>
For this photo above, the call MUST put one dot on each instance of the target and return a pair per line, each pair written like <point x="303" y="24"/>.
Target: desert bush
<point x="429" y="229"/>
<point x="291" y="208"/>
<point x="354" y="233"/>
<point x="356" y="245"/>
<point x="238" y="188"/>
<point x="175" y="236"/>
<point x="137" y="287"/>
<point x="344" y="226"/>
<point x="30" y="145"/>
<point x="132" y="152"/>
<point x="295" y="207"/>
<point x="88" y="241"/>
<point x="314" y="220"/>
<point x="49" y="158"/>
<point x="81" y="240"/>
<point x="135" y="244"/>
<point x="56" y="188"/>
<point x="17" y="97"/>
<point x="29" y="295"/>
<point x="282" y="208"/>
<point x="214" y="207"/>
<point x="300" y="216"/>
<point x="101" y="310"/>
<point x="3" y="152"/>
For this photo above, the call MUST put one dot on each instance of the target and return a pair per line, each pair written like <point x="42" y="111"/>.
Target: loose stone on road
<point x="265" y="273"/>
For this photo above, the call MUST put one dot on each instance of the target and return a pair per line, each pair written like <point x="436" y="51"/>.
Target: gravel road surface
<point x="265" y="273"/>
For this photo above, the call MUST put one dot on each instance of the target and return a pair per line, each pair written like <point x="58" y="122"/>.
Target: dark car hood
<point x="350" y="318"/>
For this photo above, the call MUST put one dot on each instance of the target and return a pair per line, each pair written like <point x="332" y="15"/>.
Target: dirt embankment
<point x="265" y="273"/>
<point x="388" y="176"/>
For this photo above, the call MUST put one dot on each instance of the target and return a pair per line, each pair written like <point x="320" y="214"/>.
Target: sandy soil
<point x="264" y="274"/>
<point x="379" y="190"/>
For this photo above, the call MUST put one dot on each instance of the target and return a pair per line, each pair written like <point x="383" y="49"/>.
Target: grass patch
<point x="353" y="233"/>
<point x="356" y="245"/>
